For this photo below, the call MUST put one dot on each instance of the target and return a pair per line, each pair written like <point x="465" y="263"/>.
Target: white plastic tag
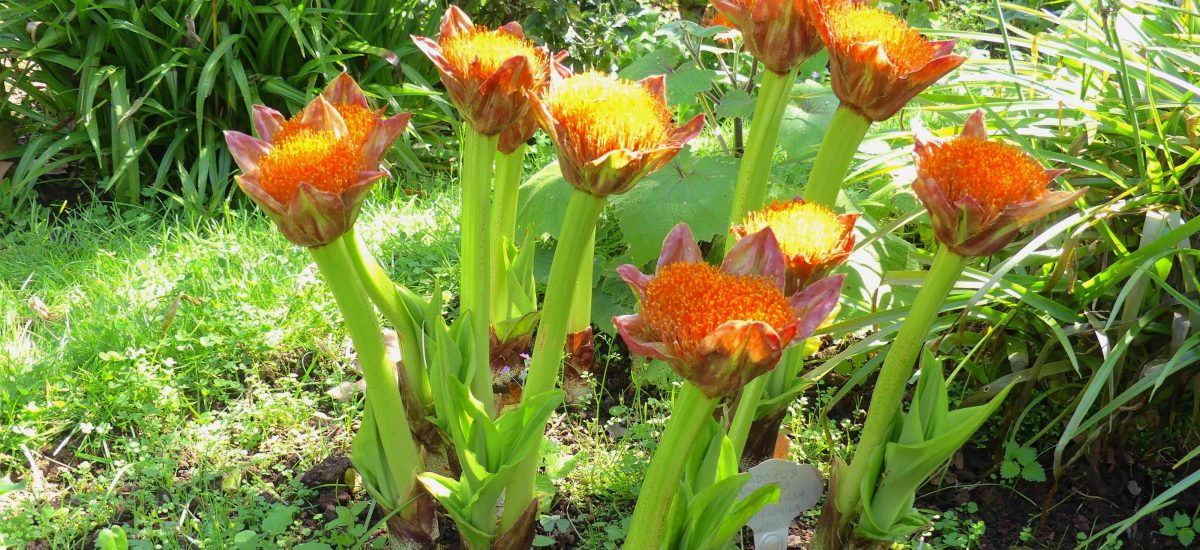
<point x="800" y="487"/>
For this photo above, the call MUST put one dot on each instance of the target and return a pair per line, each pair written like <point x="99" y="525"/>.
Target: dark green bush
<point x="127" y="99"/>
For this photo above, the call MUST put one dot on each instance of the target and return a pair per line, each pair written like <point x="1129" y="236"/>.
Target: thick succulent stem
<point x="401" y="459"/>
<point x="475" y="254"/>
<point x="649" y="525"/>
<point x="755" y="170"/>
<point x="504" y="224"/>
<point x="845" y="134"/>
<point x="886" y="399"/>
<point x="574" y="240"/>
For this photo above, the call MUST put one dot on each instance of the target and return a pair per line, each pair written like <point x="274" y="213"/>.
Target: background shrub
<point x="128" y="98"/>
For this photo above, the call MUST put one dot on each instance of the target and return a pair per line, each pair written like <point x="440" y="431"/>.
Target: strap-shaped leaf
<point x="521" y="429"/>
<point x="453" y="496"/>
<point x="908" y="466"/>
<point x="709" y="509"/>
<point x="743" y="510"/>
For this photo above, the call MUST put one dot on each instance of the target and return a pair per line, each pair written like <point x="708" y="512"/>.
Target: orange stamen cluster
<point x="857" y="23"/>
<point x="687" y="301"/>
<point x="312" y="156"/>
<point x="360" y="121"/>
<point x="477" y="54"/>
<point x="604" y="114"/>
<point x="807" y="230"/>
<point x="993" y="173"/>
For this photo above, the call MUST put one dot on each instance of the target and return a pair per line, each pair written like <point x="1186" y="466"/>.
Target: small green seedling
<point x="1021" y="461"/>
<point x="1181" y="527"/>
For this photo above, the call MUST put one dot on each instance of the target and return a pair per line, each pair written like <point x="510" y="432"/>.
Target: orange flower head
<point x="780" y="33"/>
<point x="611" y="132"/>
<point x="478" y="53"/>
<point x="813" y="238"/>
<point x="905" y="47"/>
<point x="877" y="62"/>
<point x="310" y="173"/>
<point x="980" y="193"/>
<point x="687" y="301"/>
<point x="608" y="114"/>
<point x="994" y="174"/>
<point x="720" y="328"/>
<point x="489" y="74"/>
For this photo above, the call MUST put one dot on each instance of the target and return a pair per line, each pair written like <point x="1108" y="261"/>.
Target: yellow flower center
<point x="905" y="47"/>
<point x="993" y="173"/>
<point x="312" y="156"/>
<point x="604" y="114"/>
<point x="687" y="301"/>
<point x="360" y="121"/>
<point x="804" y="229"/>
<point x="477" y="54"/>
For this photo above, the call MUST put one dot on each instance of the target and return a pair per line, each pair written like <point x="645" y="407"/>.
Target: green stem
<point x="478" y="153"/>
<point x="691" y="410"/>
<point x="752" y="394"/>
<point x="504" y="224"/>
<point x="383" y="395"/>
<point x="743" y="416"/>
<point x="579" y="224"/>
<point x="846" y="132"/>
<point x="894" y="374"/>
<point x="581" y="301"/>
<point x="387" y="297"/>
<point x="755" y="170"/>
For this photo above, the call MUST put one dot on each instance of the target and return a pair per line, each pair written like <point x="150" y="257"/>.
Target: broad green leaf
<point x="658" y="61"/>
<point x="806" y="119"/>
<point x="743" y="510"/>
<point x="1033" y="472"/>
<point x="278" y="519"/>
<point x="685" y="82"/>
<point x="1186" y="536"/>
<point x="112" y="538"/>
<point x="542" y="201"/>
<point x="736" y="103"/>
<point x="692" y="190"/>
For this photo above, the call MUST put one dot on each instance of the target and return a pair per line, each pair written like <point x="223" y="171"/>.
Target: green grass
<point x="178" y="382"/>
<point x="177" y="374"/>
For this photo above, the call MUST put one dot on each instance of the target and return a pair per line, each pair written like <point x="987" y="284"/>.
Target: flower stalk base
<point x="897" y="368"/>
<point x="504" y="224"/>
<point x="479" y="151"/>
<point x="574" y="241"/>
<point x="396" y="460"/>
<point x="691" y="410"/>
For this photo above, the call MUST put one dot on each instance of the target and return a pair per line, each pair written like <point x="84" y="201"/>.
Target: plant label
<point x="800" y="487"/>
